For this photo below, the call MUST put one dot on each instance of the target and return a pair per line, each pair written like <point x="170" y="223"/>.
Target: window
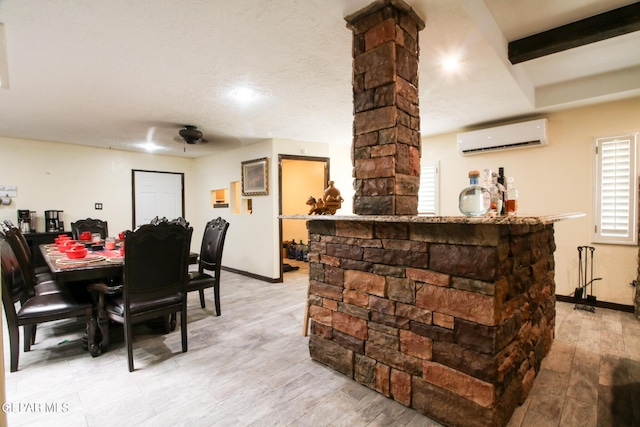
<point x="615" y="210"/>
<point x="428" y="195"/>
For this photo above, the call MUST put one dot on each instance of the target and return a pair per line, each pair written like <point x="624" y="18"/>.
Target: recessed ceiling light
<point x="244" y="95"/>
<point x="451" y="62"/>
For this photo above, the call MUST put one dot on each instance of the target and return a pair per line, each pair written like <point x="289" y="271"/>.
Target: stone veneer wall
<point x="450" y="319"/>
<point x="386" y="124"/>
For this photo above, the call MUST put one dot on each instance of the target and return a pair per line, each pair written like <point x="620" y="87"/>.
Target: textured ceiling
<point x="119" y="73"/>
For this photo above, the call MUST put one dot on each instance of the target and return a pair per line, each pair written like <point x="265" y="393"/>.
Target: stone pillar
<point x="386" y="128"/>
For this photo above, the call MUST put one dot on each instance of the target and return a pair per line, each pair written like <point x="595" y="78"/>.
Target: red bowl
<point x="61" y="239"/>
<point x="67" y="244"/>
<point x="73" y="247"/>
<point x="85" y="235"/>
<point x="77" y="252"/>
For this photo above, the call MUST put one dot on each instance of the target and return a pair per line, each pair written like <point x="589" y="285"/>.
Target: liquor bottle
<point x="502" y="182"/>
<point x="512" y="197"/>
<point x="496" y="195"/>
<point x="474" y="200"/>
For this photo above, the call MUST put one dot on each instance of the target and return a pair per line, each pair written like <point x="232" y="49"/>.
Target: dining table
<point x="99" y="265"/>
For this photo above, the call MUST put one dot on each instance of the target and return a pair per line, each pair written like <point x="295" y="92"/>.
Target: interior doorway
<point x="158" y="194"/>
<point x="299" y="177"/>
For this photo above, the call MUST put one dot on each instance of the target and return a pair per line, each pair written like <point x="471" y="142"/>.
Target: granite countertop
<point x="508" y="220"/>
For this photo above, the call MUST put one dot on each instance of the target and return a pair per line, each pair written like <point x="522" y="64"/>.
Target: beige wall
<point x="555" y="179"/>
<point x="253" y="241"/>
<point x="342" y="176"/>
<point x="73" y="178"/>
<point x="551" y="179"/>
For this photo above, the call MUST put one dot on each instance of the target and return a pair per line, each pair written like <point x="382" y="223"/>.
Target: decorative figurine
<point x="317" y="206"/>
<point x="331" y="203"/>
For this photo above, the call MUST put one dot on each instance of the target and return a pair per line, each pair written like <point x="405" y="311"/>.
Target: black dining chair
<point x="156" y="262"/>
<point x="41" y="283"/>
<point x="91" y="225"/>
<point x="34" y="309"/>
<point x="210" y="259"/>
<point x="179" y="220"/>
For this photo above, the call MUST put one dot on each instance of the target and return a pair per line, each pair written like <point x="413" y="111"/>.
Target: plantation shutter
<point x="615" y="190"/>
<point x="428" y="202"/>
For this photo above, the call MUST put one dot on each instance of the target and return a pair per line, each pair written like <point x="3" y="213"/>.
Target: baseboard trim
<point x="601" y="304"/>
<point x="252" y="275"/>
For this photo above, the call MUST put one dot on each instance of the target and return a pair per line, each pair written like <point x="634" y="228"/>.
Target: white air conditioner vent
<point x="508" y="137"/>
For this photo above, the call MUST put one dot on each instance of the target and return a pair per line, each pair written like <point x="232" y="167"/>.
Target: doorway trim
<point x="281" y="157"/>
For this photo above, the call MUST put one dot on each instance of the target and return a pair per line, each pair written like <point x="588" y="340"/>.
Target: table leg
<point x="94" y="347"/>
<point x="103" y="330"/>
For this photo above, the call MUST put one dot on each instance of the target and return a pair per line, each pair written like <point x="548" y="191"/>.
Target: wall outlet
<point x="98" y="206"/>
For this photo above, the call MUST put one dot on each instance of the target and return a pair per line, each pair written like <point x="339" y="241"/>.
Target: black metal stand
<point x="585" y="278"/>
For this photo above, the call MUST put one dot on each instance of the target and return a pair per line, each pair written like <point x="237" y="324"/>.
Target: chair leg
<point x="201" y="291"/>
<point x="216" y="293"/>
<point x="183" y="328"/>
<point x="128" y="337"/>
<point x="14" y="343"/>
<point x="28" y="337"/>
<point x="170" y="322"/>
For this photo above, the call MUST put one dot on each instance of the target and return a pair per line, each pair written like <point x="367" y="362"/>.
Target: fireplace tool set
<point x="585" y="278"/>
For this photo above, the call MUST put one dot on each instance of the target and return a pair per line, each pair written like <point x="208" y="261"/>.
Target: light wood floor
<point x="251" y="366"/>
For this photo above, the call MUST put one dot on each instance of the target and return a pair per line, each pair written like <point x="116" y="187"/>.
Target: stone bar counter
<point x="451" y="316"/>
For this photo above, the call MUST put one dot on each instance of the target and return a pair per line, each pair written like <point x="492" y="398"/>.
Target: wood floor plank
<point x="251" y="366"/>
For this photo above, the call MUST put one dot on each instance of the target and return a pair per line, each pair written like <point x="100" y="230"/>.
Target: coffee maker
<point x="52" y="221"/>
<point x="24" y="220"/>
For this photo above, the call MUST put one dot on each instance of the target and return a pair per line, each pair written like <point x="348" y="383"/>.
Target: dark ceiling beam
<point x="589" y="30"/>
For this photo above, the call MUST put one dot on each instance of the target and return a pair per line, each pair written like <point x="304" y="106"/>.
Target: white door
<point x="157" y="194"/>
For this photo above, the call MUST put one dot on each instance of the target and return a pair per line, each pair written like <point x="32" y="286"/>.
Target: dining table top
<point x="99" y="263"/>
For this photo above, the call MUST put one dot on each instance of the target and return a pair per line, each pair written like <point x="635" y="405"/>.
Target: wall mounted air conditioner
<point x="517" y="135"/>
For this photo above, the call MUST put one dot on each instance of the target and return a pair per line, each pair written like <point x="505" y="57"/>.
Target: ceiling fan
<point x="191" y="135"/>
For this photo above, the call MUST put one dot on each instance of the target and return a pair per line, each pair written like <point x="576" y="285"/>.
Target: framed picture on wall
<point x="255" y="177"/>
